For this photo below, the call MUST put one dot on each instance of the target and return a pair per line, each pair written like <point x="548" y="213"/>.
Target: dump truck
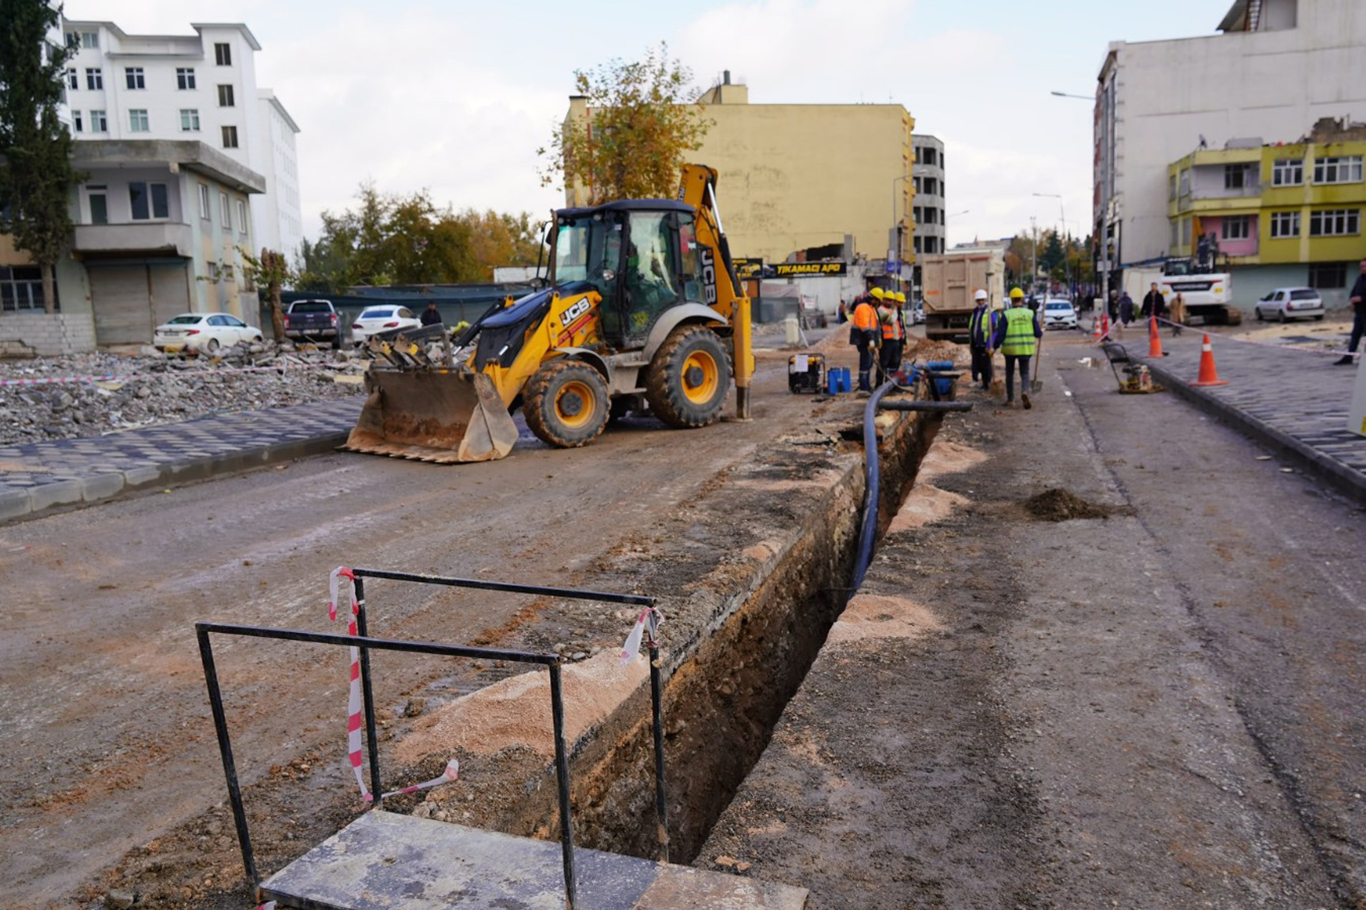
<point x="641" y="310"/>
<point x="948" y="283"/>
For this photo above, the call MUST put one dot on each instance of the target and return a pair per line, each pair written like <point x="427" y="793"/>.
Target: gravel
<point x="151" y="388"/>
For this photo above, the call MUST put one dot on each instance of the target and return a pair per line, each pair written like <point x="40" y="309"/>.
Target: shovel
<point x="1035" y="383"/>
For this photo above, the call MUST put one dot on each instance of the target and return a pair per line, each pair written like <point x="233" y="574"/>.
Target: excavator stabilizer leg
<point x="433" y="415"/>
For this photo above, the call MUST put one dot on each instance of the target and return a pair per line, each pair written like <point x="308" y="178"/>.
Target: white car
<point x="1290" y="303"/>
<point x="1059" y="314"/>
<point x="202" y="333"/>
<point x="375" y="319"/>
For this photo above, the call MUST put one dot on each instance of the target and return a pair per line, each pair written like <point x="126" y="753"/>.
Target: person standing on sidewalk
<point x="1017" y="336"/>
<point x="431" y="316"/>
<point x="1358" y="297"/>
<point x="1178" y="313"/>
<point x="981" y="328"/>
<point x="865" y="335"/>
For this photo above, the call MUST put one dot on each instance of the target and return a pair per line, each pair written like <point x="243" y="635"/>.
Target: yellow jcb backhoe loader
<point x="642" y="308"/>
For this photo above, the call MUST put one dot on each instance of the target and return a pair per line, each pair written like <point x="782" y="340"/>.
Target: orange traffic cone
<point x="1154" y="341"/>
<point x="1208" y="374"/>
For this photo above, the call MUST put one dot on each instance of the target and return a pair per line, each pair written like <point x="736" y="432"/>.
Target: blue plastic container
<point x="832" y="381"/>
<point x="845" y="384"/>
<point x="945" y="386"/>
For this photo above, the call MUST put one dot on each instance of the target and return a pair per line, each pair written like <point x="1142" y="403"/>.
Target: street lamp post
<point x="896" y="226"/>
<point x="1104" y="248"/>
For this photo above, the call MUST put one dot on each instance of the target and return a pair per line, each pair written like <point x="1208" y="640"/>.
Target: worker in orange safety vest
<point x="866" y="334"/>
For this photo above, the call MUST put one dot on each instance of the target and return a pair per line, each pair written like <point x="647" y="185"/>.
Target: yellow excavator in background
<point x="642" y="309"/>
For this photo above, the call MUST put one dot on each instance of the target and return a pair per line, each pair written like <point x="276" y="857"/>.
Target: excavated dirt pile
<point x="1058" y="504"/>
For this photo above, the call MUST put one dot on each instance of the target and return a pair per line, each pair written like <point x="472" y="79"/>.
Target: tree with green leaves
<point x="36" y="176"/>
<point x="642" y="121"/>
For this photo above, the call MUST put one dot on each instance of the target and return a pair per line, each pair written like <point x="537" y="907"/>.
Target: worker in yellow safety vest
<point x="893" y="334"/>
<point x="864" y="333"/>
<point x="1017" y="336"/>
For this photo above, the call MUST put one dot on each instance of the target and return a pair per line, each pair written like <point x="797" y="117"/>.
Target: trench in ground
<point x="722" y="703"/>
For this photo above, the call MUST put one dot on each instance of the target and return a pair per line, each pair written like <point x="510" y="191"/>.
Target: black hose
<point x="868" y="532"/>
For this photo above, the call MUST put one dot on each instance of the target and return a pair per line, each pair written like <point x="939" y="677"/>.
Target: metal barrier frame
<point x="362" y="641"/>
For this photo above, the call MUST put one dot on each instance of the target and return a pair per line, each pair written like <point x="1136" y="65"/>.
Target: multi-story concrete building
<point x="199" y="87"/>
<point x="1276" y="67"/>
<point x="928" y="214"/>
<point x="1281" y="215"/>
<point x="798" y="177"/>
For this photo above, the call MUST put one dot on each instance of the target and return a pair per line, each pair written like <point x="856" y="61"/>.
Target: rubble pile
<point x="154" y="388"/>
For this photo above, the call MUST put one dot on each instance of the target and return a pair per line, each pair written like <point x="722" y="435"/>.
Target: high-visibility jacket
<point x="865" y="317"/>
<point x="892" y="329"/>
<point x="1020" y="338"/>
<point x="982" y="326"/>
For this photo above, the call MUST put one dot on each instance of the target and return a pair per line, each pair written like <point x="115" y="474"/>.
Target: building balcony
<point x="161" y="238"/>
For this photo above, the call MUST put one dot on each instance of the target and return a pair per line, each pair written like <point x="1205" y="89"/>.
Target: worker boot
<point x="863" y="385"/>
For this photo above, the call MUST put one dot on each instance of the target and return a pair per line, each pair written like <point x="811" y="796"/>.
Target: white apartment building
<point x="190" y="87"/>
<point x="929" y="212"/>
<point x="1275" y="69"/>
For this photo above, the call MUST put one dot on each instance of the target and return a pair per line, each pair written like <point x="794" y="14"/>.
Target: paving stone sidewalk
<point x="1291" y="399"/>
<point x="38" y="476"/>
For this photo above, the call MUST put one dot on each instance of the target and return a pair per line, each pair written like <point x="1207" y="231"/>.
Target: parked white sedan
<point x="202" y="333"/>
<point x="1059" y="314"/>
<point x="375" y="319"/>
<point x="1290" y="303"/>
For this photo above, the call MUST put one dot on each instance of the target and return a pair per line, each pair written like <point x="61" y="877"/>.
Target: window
<point x="204" y="201"/>
<point x="132" y="76"/>
<point x="73" y="79"/>
<point x="1175" y="234"/>
<point x="229" y="137"/>
<point x="1185" y="231"/>
<point x="1171" y="186"/>
<point x="76" y="121"/>
<point x="915" y="182"/>
<point x="225" y="96"/>
<point x="1285" y="224"/>
<point x="223" y="216"/>
<point x="73" y="39"/>
<point x="98" y="123"/>
<point x="1234" y="176"/>
<point x="241" y="216"/>
<point x="137" y="120"/>
<point x="99" y="204"/>
<point x="189" y="120"/>
<point x="1237" y="227"/>
<point x="1287" y="172"/>
<point x="1334" y="222"/>
<point x="1328" y="275"/>
<point x="184" y="78"/>
<point x="148" y="201"/>
<point x="21" y="288"/>
<point x="94" y="78"/>
<point x="1184" y="186"/>
<point x="1338" y="170"/>
<point x="222" y="54"/>
<point x="90" y="39"/>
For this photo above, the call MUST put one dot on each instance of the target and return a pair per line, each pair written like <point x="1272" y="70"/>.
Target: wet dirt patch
<point x="875" y="616"/>
<point x="1059" y="504"/>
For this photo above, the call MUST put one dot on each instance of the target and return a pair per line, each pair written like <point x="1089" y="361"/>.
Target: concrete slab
<point x="58" y="493"/>
<point x="15" y="503"/>
<point x="102" y="486"/>
<point x="384" y="860"/>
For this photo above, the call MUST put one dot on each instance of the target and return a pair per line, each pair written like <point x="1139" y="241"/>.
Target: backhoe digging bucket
<point x="441" y="416"/>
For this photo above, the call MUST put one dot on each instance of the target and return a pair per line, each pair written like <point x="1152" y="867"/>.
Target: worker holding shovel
<point x="1017" y="337"/>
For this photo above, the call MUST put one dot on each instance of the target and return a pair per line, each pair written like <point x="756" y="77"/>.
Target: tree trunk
<point x="277" y="311"/>
<point x="49" y="287"/>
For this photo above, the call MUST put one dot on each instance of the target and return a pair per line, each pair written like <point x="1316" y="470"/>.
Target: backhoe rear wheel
<point x="687" y="381"/>
<point x="566" y="403"/>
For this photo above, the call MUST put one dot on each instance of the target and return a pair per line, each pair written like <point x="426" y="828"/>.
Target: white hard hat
<point x="980" y="295"/>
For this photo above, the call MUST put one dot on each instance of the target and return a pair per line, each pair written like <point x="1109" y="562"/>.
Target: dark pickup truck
<point x="316" y="321"/>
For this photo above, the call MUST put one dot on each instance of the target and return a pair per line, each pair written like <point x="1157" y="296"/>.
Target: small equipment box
<point x="806" y="373"/>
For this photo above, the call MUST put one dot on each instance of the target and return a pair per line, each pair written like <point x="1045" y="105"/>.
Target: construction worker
<point x="864" y="333"/>
<point x="981" y="328"/>
<point x="893" y="334"/>
<point x="1017" y="336"/>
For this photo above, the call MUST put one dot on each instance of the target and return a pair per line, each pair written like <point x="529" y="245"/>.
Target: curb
<point x="1329" y="471"/>
<point x="18" y="504"/>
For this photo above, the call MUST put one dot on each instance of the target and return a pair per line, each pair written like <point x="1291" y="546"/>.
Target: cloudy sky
<point x="456" y="96"/>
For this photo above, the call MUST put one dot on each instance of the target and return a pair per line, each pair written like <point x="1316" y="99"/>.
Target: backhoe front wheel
<point x="566" y="403"/>
<point x="688" y="378"/>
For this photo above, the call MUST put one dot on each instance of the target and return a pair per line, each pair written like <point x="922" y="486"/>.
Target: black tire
<point x="1257" y="311"/>
<point x="688" y="378"/>
<point x="1283" y="319"/>
<point x="1318" y="318"/>
<point x="565" y="403"/>
<point x="212" y="346"/>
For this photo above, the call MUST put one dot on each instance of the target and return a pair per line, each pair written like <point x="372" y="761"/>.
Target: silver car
<point x="1285" y="304"/>
<point x="1059" y="314"/>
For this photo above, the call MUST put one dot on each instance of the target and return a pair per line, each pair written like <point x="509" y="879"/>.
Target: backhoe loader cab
<point x="641" y="309"/>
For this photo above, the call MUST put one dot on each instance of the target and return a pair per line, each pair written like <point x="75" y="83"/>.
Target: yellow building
<point x="801" y="176"/>
<point x="1284" y="215"/>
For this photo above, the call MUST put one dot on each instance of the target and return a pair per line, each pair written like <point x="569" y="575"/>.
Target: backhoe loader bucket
<point x="441" y="416"/>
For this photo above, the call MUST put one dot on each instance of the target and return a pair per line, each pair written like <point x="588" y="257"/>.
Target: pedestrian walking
<point x="1178" y="313"/>
<point x="1154" y="304"/>
<point x="431" y="316"/>
<point x="893" y="334"/>
<point x="1358" y="298"/>
<point x="864" y="334"/>
<point x="981" y="328"/>
<point x="1126" y="308"/>
<point x="1017" y="336"/>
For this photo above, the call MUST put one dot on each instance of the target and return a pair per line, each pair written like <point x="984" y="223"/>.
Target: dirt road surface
<point x="1158" y="708"/>
<point x="108" y="743"/>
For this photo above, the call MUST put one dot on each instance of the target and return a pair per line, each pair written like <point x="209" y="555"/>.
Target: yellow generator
<point x="642" y="309"/>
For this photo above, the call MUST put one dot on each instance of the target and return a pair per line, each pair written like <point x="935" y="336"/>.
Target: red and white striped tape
<point x="342" y="581"/>
<point x="647" y="623"/>
<point x="283" y="366"/>
<point x="1269" y="344"/>
<point x="57" y="380"/>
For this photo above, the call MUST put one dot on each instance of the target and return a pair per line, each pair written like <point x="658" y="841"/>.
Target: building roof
<point x="266" y="94"/>
<point x="240" y="26"/>
<point x="190" y="155"/>
<point x="1236" y="19"/>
